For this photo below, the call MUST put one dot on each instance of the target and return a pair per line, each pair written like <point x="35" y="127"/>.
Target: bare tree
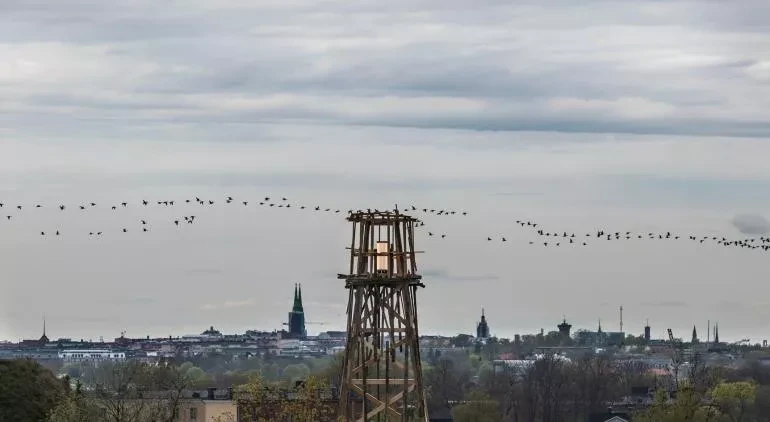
<point x="136" y="392"/>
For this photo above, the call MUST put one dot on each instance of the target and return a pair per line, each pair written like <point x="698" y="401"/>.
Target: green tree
<point x="270" y="372"/>
<point x="195" y="373"/>
<point x="447" y="381"/>
<point x="762" y="403"/>
<point x="296" y="372"/>
<point x="477" y="407"/>
<point x="74" y="371"/>
<point x="307" y="403"/>
<point x="259" y="400"/>
<point x="332" y="371"/>
<point x="688" y="406"/>
<point x="74" y="408"/>
<point x="28" y="391"/>
<point x="186" y="366"/>
<point x="133" y="391"/>
<point x="734" y="399"/>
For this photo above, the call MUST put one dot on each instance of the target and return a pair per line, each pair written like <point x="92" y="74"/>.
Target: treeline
<point x="547" y="389"/>
<point x="554" y="389"/>
<point x="137" y="392"/>
<point x="551" y="388"/>
<point x="222" y="370"/>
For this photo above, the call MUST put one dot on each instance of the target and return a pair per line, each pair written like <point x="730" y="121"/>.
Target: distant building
<point x="600" y="338"/>
<point x="35" y="353"/>
<point x="44" y="338"/>
<point x="41" y="342"/>
<point x="482" y="328"/>
<point x="91" y="355"/>
<point x="328" y="335"/>
<point x="211" y="332"/>
<point x="297" y="316"/>
<point x="564" y="329"/>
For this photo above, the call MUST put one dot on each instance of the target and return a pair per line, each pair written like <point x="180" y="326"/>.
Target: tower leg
<point x="382" y="368"/>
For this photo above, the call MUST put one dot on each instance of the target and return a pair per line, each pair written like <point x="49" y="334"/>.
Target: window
<point x="193" y="414"/>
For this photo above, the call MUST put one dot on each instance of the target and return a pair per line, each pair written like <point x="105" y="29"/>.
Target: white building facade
<point x="90" y="355"/>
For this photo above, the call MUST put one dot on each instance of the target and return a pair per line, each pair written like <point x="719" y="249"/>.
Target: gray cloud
<point x="228" y="304"/>
<point x="445" y="275"/>
<point x="751" y="223"/>
<point x="665" y="304"/>
<point x="139" y="300"/>
<point x="494" y="67"/>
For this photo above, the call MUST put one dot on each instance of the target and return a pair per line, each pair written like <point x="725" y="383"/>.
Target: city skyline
<point x="711" y="326"/>
<point x="581" y="116"/>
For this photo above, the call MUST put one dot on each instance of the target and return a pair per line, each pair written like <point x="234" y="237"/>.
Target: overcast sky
<point x="642" y="116"/>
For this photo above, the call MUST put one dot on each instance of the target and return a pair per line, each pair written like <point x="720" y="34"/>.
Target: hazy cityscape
<point x="422" y="210"/>
<point x="213" y="362"/>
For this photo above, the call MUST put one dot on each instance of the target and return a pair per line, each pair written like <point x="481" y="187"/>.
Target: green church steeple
<point x="297" y="315"/>
<point x="297" y="299"/>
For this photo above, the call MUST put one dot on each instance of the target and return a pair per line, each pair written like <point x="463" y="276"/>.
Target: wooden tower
<point x="382" y="373"/>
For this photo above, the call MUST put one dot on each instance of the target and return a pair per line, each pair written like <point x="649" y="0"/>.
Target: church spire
<point x="482" y="328"/>
<point x="43" y="339"/>
<point x="297" y="307"/>
<point x="694" y="335"/>
<point x="297" y="315"/>
<point x="716" y="333"/>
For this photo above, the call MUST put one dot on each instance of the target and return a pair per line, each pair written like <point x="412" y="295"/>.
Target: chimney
<point x="211" y="391"/>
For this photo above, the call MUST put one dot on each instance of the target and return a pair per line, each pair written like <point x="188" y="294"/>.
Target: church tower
<point x="482" y="328"/>
<point x="647" y="333"/>
<point x="694" y="335"/>
<point x="564" y="329"/>
<point x="297" y="315"/>
<point x="44" y="338"/>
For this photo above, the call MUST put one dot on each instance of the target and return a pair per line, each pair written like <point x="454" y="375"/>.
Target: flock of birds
<point x="559" y="238"/>
<point x="546" y="238"/>
<point x="14" y="212"/>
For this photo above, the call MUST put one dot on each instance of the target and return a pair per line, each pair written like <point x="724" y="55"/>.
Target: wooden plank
<point x="375" y="381"/>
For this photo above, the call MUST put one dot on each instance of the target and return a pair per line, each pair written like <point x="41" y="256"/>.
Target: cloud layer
<point x="579" y="114"/>
<point x="751" y="224"/>
<point x="594" y="66"/>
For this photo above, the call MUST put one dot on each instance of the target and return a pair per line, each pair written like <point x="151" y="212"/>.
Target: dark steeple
<point x="694" y="335"/>
<point x="716" y="333"/>
<point x="647" y="331"/>
<point x="297" y="307"/>
<point x="297" y="315"/>
<point x="482" y="328"/>
<point x="300" y="298"/>
<point x="564" y="328"/>
<point x="43" y="339"/>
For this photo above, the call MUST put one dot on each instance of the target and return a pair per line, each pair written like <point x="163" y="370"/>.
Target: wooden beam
<point x="377" y="381"/>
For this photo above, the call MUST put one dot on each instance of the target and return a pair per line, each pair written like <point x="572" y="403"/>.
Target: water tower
<point x="382" y="373"/>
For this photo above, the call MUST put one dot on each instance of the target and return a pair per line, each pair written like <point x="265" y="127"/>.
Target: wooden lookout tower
<point x="382" y="374"/>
